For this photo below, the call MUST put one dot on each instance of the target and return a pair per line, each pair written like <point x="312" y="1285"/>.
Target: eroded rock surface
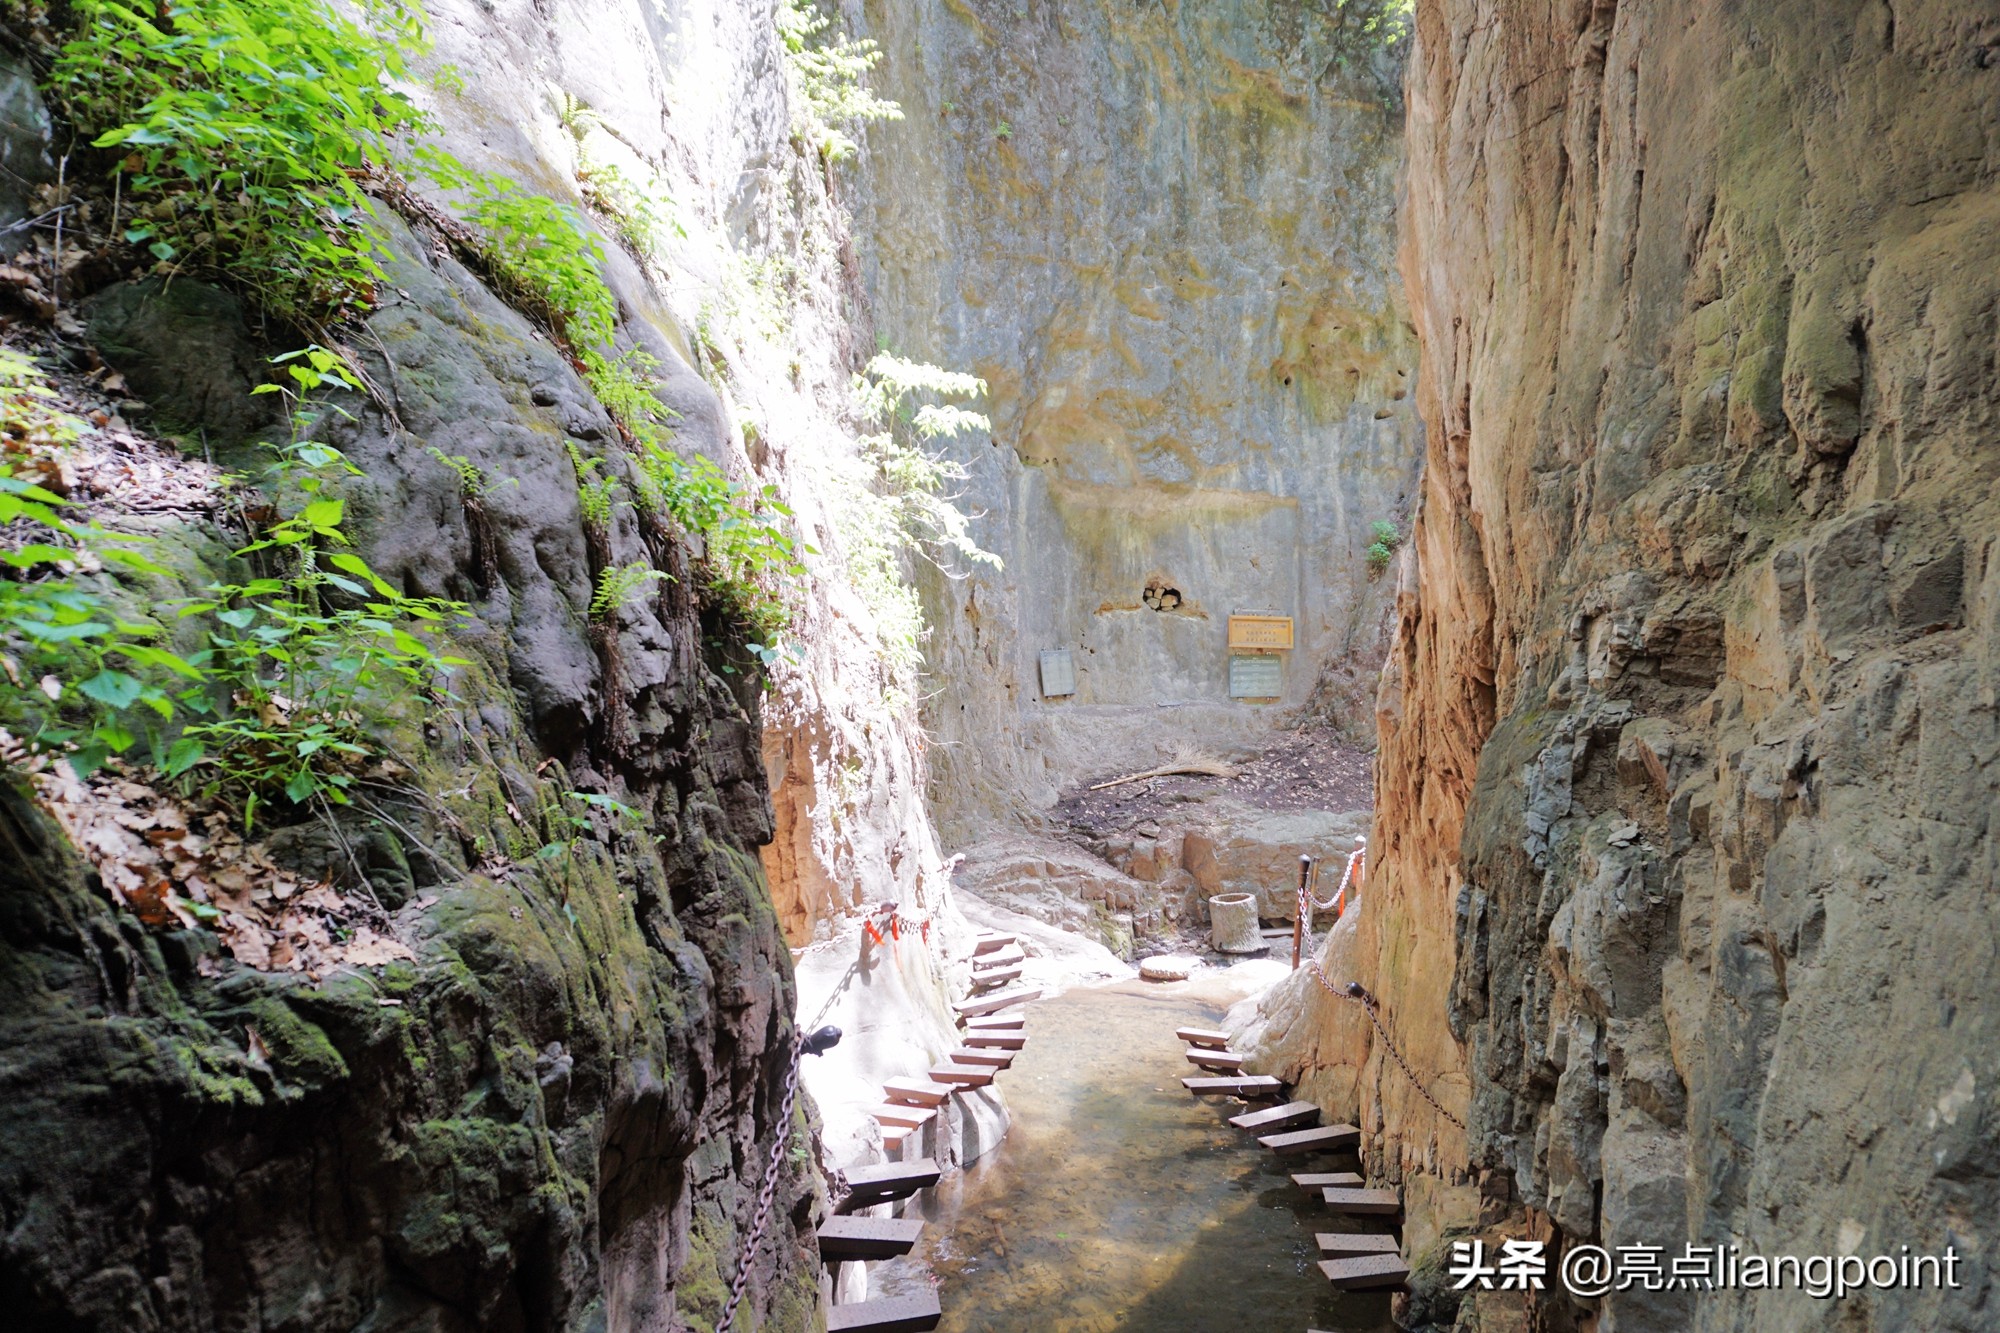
<point x="1685" y="895"/>
<point x="1164" y="236"/>
<point x="552" y="1118"/>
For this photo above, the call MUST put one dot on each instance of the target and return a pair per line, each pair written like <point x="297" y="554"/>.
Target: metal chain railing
<point x="1355" y="991"/>
<point x="1309" y="899"/>
<point x="764" y="1195"/>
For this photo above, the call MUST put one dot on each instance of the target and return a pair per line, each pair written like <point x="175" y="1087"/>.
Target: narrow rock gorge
<point x="550" y="550"/>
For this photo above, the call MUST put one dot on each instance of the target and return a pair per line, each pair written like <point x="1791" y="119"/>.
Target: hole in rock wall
<point x="1161" y="597"/>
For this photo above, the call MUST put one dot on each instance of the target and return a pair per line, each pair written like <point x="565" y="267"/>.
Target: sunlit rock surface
<point x="1685" y="892"/>
<point x="1165" y="236"/>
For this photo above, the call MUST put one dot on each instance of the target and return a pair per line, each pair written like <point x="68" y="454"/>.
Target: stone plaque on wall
<point x="1058" y="673"/>
<point x="1256" y="676"/>
<point x="1260" y="632"/>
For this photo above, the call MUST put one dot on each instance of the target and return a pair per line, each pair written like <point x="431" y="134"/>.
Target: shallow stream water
<point x="1118" y="1203"/>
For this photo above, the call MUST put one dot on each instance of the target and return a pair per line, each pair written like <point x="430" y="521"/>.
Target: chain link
<point x="1354" y="990"/>
<point x="1306" y="883"/>
<point x="764" y="1196"/>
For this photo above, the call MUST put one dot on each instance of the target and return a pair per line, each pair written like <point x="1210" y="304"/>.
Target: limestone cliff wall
<point x="1685" y="896"/>
<point x="1163" y="235"/>
<point x="559" y="1116"/>
<point x="755" y="305"/>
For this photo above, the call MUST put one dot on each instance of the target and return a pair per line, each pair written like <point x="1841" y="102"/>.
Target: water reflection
<point x="1118" y="1202"/>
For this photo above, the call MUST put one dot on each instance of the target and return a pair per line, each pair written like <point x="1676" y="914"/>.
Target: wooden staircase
<point x="1364" y="1272"/>
<point x="995" y="1041"/>
<point x="917" y="1091"/>
<point x="1352" y="1261"/>
<point x="1363" y="1202"/>
<point x="991" y="1039"/>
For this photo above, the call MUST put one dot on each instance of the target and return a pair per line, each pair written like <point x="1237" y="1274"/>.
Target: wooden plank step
<point x="907" y="1116"/>
<point x="988" y="1004"/>
<point x="895" y="1136"/>
<point x="846" y="1238"/>
<point x="1364" y="1271"/>
<point x="1253" y="1087"/>
<point x="991" y="942"/>
<point x="996" y="1041"/>
<point x="1314" y="1181"/>
<point x="1227" y="1061"/>
<point x="1277" y="1117"/>
<point x="1367" y="1203"/>
<point x="1320" y="1138"/>
<point x="1350" y="1243"/>
<point x="995" y="1023"/>
<point x="997" y="977"/>
<point x="894" y="1314"/>
<point x="961" y="1076"/>
<point x="1203" y="1037"/>
<point x="986" y="962"/>
<point x="965" y="1055"/>
<point x="869" y="1185"/>
<point x="916" y="1091"/>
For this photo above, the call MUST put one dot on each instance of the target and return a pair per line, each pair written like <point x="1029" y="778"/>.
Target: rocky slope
<point x="557" y="1115"/>
<point x="1685" y="887"/>
<point x="547" y="1118"/>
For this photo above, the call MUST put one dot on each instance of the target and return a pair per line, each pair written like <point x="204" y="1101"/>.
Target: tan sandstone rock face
<point x="1685" y="890"/>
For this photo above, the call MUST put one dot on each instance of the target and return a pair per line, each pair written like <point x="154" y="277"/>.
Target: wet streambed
<point x="1118" y="1202"/>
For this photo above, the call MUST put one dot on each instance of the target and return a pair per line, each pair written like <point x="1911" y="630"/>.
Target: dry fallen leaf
<point x="139" y="839"/>
<point x="371" y="950"/>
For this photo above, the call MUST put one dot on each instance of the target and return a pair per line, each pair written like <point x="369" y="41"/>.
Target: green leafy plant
<point x="1003" y="131"/>
<point x="594" y="493"/>
<point x="559" y="816"/>
<point x="626" y="816"/>
<point x="539" y="252"/>
<point x="899" y="397"/>
<point x="1379" y="22"/>
<point x="640" y="211"/>
<point x="624" y="384"/>
<point x="240" y="130"/>
<point x="826" y="79"/>
<point x="1387" y="537"/>
<point x="551" y="265"/>
<point x="309" y="659"/>
<point x="896" y="501"/>
<point x="617" y="585"/>
<point x="473" y="482"/>
<point x="80" y="679"/>
<point x="747" y="550"/>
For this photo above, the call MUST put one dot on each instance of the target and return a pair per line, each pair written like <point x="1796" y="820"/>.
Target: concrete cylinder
<point x="1232" y="923"/>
